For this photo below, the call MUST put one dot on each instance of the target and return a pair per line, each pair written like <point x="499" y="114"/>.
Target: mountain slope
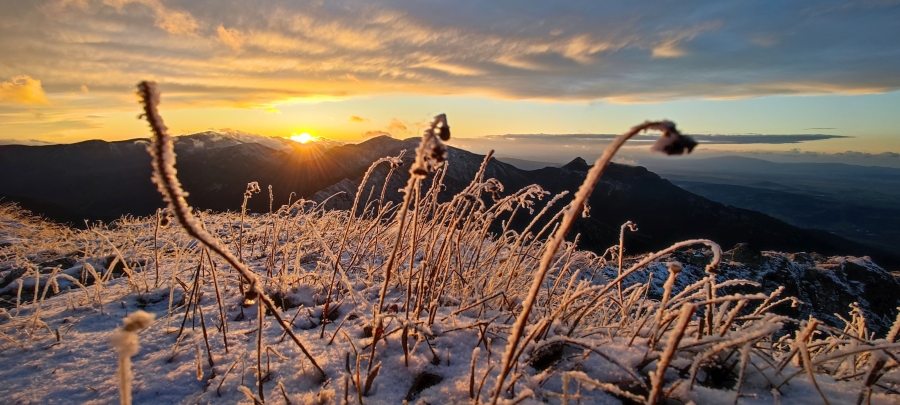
<point x="664" y="212"/>
<point x="101" y="180"/>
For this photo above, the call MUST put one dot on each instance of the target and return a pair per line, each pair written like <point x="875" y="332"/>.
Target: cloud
<point x="577" y="139"/>
<point x="886" y="159"/>
<point x="61" y="4"/>
<point x="231" y="37"/>
<point x="668" y="49"/>
<point x="372" y="134"/>
<point x="855" y="154"/>
<point x="171" y="21"/>
<point x="27" y="142"/>
<point x="396" y="128"/>
<point x="455" y="70"/>
<point x="397" y="125"/>
<point x="763" y="139"/>
<point x="402" y="129"/>
<point x="617" y="52"/>
<point x="23" y="90"/>
<point x="255" y="55"/>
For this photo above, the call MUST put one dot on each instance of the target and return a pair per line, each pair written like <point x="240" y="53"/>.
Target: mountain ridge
<point x="107" y="181"/>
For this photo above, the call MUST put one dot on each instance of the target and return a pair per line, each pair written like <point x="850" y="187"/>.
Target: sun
<point x="303" y="138"/>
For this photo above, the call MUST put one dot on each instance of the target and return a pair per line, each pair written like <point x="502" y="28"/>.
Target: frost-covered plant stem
<point x="717" y="256"/>
<point x="162" y="152"/>
<point x="657" y="376"/>
<point x="156" y="246"/>
<point x="125" y="342"/>
<point x="627" y="225"/>
<point x="878" y="361"/>
<point x="569" y="216"/>
<point x="427" y="151"/>
<point x="340" y="251"/>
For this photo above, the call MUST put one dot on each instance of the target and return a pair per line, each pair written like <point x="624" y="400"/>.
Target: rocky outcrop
<point x="825" y="286"/>
<point x="338" y="196"/>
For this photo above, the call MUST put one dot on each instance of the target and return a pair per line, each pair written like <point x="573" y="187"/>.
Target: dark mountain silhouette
<point x="99" y="180"/>
<point x="665" y="213"/>
<point x="860" y="203"/>
<point x="871" y="225"/>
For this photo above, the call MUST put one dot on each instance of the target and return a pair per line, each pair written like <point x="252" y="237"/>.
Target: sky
<point x="349" y="70"/>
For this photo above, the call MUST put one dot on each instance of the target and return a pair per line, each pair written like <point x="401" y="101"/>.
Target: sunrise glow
<point x="386" y="68"/>
<point x="299" y="152"/>
<point x="303" y="138"/>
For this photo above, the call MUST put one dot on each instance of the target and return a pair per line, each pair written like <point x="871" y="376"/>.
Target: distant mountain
<point x="98" y="180"/>
<point x="103" y="180"/>
<point x="664" y="212"/>
<point x="861" y="203"/>
<point x="878" y="185"/>
<point x="872" y="225"/>
<point x="526" y="164"/>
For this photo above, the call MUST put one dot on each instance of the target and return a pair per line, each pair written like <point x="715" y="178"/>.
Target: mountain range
<point x="98" y="180"/>
<point x="860" y="203"/>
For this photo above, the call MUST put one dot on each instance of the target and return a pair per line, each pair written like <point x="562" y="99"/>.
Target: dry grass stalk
<point x="163" y="153"/>
<point x="125" y="342"/>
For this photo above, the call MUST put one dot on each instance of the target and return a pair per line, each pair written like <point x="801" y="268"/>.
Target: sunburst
<point x="303" y="138"/>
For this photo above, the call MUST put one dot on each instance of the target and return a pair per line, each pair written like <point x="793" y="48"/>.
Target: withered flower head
<point x="671" y="142"/>
<point x="432" y="152"/>
<point x="674" y="266"/>
<point x="442" y="126"/>
<point x="252" y="187"/>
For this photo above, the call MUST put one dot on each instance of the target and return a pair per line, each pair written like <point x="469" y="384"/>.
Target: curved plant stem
<point x="162" y="151"/>
<point x="569" y="216"/>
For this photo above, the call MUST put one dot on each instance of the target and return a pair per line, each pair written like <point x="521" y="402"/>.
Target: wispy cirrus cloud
<point x="213" y="54"/>
<point x="25" y="142"/>
<point x="581" y="51"/>
<point x="563" y="147"/>
<point x="170" y="20"/>
<point x="372" y="134"/>
<point x="709" y="139"/>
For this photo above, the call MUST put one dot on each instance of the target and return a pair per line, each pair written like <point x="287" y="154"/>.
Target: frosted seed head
<point x="252" y="188"/>
<point x="138" y="321"/>
<point x="671" y="142"/>
<point x="674" y="267"/>
<point x="442" y="126"/>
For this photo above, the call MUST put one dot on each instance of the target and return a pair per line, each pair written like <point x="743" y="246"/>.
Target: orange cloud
<point x="171" y="21"/>
<point x="372" y="134"/>
<point x="404" y="129"/>
<point x="356" y="118"/>
<point x="668" y="49"/>
<point x="231" y="37"/>
<point x="23" y="90"/>
<point x="397" y="126"/>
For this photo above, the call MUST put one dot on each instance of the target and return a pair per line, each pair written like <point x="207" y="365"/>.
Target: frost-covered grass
<point x="448" y="311"/>
<point x="386" y="303"/>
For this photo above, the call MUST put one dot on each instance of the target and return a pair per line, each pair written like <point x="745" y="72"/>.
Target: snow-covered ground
<point x="450" y="301"/>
